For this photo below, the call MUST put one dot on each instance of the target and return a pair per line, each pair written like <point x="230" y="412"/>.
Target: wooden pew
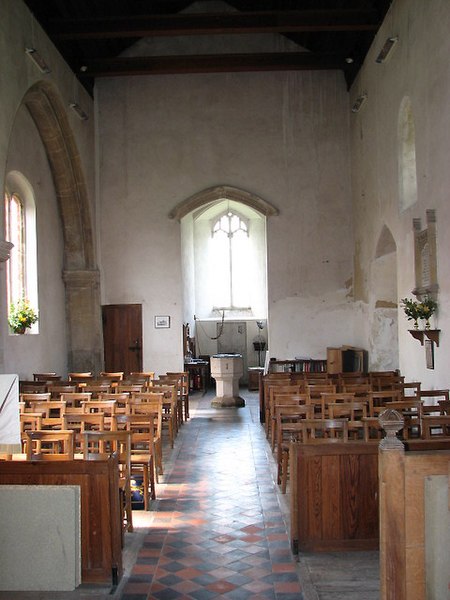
<point x="101" y="537"/>
<point x="334" y="496"/>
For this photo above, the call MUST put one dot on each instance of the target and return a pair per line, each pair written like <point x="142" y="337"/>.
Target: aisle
<point x="218" y="529"/>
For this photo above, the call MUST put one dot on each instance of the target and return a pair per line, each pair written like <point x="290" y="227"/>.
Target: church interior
<point x="222" y="198"/>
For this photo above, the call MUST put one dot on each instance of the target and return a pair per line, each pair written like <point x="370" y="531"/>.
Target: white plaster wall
<point x="419" y="69"/>
<point x="28" y="354"/>
<point x="282" y="136"/>
<point x="21" y="148"/>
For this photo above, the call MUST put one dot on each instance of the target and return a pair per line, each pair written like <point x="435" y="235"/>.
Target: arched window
<point x="15" y="233"/>
<point x="20" y="230"/>
<point x="230" y="260"/>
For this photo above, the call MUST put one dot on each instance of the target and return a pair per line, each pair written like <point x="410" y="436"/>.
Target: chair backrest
<point x="52" y="412"/>
<point x="315" y="390"/>
<point x="56" y="389"/>
<point x="95" y="388"/>
<point x="74" y="399"/>
<point x="50" y="445"/>
<point x="325" y="429"/>
<point x="353" y="411"/>
<point x="114" y="376"/>
<point x="436" y="427"/>
<point x="42" y="397"/>
<point x="46" y="376"/>
<point x="81" y="376"/>
<point x="379" y="399"/>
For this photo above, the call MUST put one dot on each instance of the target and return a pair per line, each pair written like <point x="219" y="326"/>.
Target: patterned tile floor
<point x="219" y="531"/>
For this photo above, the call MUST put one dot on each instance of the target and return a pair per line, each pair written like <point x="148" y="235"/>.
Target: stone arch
<point x="81" y="277"/>
<point x="212" y="194"/>
<point x="49" y="115"/>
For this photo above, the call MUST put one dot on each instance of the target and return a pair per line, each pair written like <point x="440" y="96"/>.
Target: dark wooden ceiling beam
<point x="211" y="24"/>
<point x="159" y="65"/>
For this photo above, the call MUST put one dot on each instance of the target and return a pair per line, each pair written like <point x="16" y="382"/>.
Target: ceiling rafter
<point x="212" y="24"/>
<point x="210" y="63"/>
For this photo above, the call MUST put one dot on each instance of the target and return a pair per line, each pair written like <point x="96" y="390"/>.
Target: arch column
<point x="83" y="315"/>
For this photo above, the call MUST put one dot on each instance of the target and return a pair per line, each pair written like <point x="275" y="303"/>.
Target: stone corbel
<point x="5" y="250"/>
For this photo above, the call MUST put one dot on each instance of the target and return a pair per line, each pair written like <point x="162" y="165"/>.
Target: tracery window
<point x="230" y="255"/>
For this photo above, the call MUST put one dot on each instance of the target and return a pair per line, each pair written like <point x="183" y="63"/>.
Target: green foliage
<point x="21" y="316"/>
<point x="418" y="310"/>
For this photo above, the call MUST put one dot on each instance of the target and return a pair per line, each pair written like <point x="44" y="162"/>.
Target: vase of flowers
<point x="427" y="308"/>
<point x="21" y="316"/>
<point x="411" y="310"/>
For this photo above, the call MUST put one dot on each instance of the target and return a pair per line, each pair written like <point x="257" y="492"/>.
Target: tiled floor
<point x="219" y="530"/>
<point x="218" y="527"/>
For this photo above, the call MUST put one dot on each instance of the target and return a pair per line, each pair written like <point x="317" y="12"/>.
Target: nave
<point x="218" y="526"/>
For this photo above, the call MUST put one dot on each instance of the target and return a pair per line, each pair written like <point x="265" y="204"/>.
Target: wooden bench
<point x="101" y="537"/>
<point x="334" y="496"/>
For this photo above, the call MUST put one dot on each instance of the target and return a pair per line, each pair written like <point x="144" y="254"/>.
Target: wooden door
<point x="122" y="337"/>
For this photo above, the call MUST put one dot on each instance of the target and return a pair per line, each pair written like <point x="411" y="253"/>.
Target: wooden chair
<point x="95" y="389"/>
<point x="378" y="400"/>
<point x="75" y="399"/>
<point x="50" y="445"/>
<point x="288" y="419"/>
<point x="169" y="407"/>
<point x="324" y="429"/>
<point x="436" y="427"/>
<point x="152" y="407"/>
<point x="56" y="389"/>
<point x="79" y="423"/>
<point x="411" y="410"/>
<point x="100" y="445"/>
<point x="354" y="412"/>
<point x="41" y="397"/>
<point x="328" y="398"/>
<point x="46" y="376"/>
<point x="183" y="379"/>
<point x="81" y="377"/>
<point x="29" y="422"/>
<point x="144" y="377"/>
<point x="105" y="407"/>
<point x="52" y="412"/>
<point x="372" y="429"/>
<point x="113" y="376"/>
<point x="315" y="392"/>
<point x="280" y="399"/>
<point x="274" y="392"/>
<point x="431" y="401"/>
<point x="127" y="387"/>
<point x="121" y="400"/>
<point x="143" y="430"/>
<point x="32" y="387"/>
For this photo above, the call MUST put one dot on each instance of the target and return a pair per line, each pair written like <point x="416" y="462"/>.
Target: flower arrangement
<point x="427" y="308"/>
<point x="21" y="316"/>
<point x="419" y="310"/>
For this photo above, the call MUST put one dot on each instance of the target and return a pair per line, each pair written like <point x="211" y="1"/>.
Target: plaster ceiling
<point x="103" y="38"/>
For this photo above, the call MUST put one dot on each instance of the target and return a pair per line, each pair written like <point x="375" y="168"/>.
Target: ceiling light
<point x="349" y="60"/>
<point x="386" y="50"/>
<point x="78" y="111"/>
<point x="359" y="103"/>
<point x="38" y="60"/>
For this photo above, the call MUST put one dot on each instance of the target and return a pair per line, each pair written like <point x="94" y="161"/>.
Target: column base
<point x="227" y="402"/>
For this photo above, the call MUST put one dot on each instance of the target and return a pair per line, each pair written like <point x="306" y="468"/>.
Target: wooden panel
<point x="101" y="537"/>
<point x="337" y="501"/>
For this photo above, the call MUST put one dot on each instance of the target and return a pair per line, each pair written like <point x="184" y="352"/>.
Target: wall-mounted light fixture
<point x="38" y="60"/>
<point x="78" y="111"/>
<point x="359" y="103"/>
<point x="387" y="49"/>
